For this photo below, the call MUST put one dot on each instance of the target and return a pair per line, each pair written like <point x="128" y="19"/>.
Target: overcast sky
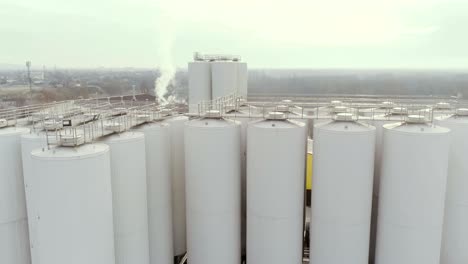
<point x="266" y="33"/>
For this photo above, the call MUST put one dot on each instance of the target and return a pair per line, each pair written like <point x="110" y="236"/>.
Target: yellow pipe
<point x="309" y="171"/>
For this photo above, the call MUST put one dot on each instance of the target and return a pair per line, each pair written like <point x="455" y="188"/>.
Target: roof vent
<point x="340" y="109"/>
<point x="442" y="105"/>
<point x="213" y="114"/>
<point x="282" y="108"/>
<point x="462" y="112"/>
<point x="345" y="117"/>
<point x="416" y="119"/>
<point x="276" y="116"/>
<point x="336" y="103"/>
<point x="71" y="140"/>
<point x="387" y="105"/>
<point x="399" y="111"/>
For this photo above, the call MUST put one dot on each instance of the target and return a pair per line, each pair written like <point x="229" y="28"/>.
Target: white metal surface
<point x="455" y="238"/>
<point x="30" y="142"/>
<point x="412" y="194"/>
<point x="276" y="153"/>
<point x="199" y="84"/>
<point x="128" y="173"/>
<point x="213" y="189"/>
<point x="342" y="197"/>
<point x="224" y="78"/>
<point x="14" y="237"/>
<point x="74" y="205"/>
<point x="242" y="79"/>
<point x="158" y="170"/>
<point x="178" y="183"/>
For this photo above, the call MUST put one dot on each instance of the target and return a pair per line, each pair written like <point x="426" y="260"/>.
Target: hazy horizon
<point x="294" y="34"/>
<point x="22" y="67"/>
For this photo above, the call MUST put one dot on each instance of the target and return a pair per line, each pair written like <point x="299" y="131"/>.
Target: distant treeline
<point x="316" y="82"/>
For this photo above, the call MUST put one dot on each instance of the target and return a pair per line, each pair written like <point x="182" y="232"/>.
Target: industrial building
<point x="231" y="181"/>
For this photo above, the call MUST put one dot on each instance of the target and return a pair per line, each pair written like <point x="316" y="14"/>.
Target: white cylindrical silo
<point x="30" y="142"/>
<point x="74" y="205"/>
<point x="242" y="79"/>
<point x="158" y="175"/>
<point x="199" y="84"/>
<point x="14" y="236"/>
<point x="128" y="174"/>
<point x="176" y="127"/>
<point x="213" y="189"/>
<point x="455" y="236"/>
<point x="412" y="193"/>
<point x="342" y="197"/>
<point x="224" y="78"/>
<point x="276" y="153"/>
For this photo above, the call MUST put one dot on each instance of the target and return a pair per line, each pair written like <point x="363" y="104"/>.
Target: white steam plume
<point x="165" y="61"/>
<point x="161" y="84"/>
